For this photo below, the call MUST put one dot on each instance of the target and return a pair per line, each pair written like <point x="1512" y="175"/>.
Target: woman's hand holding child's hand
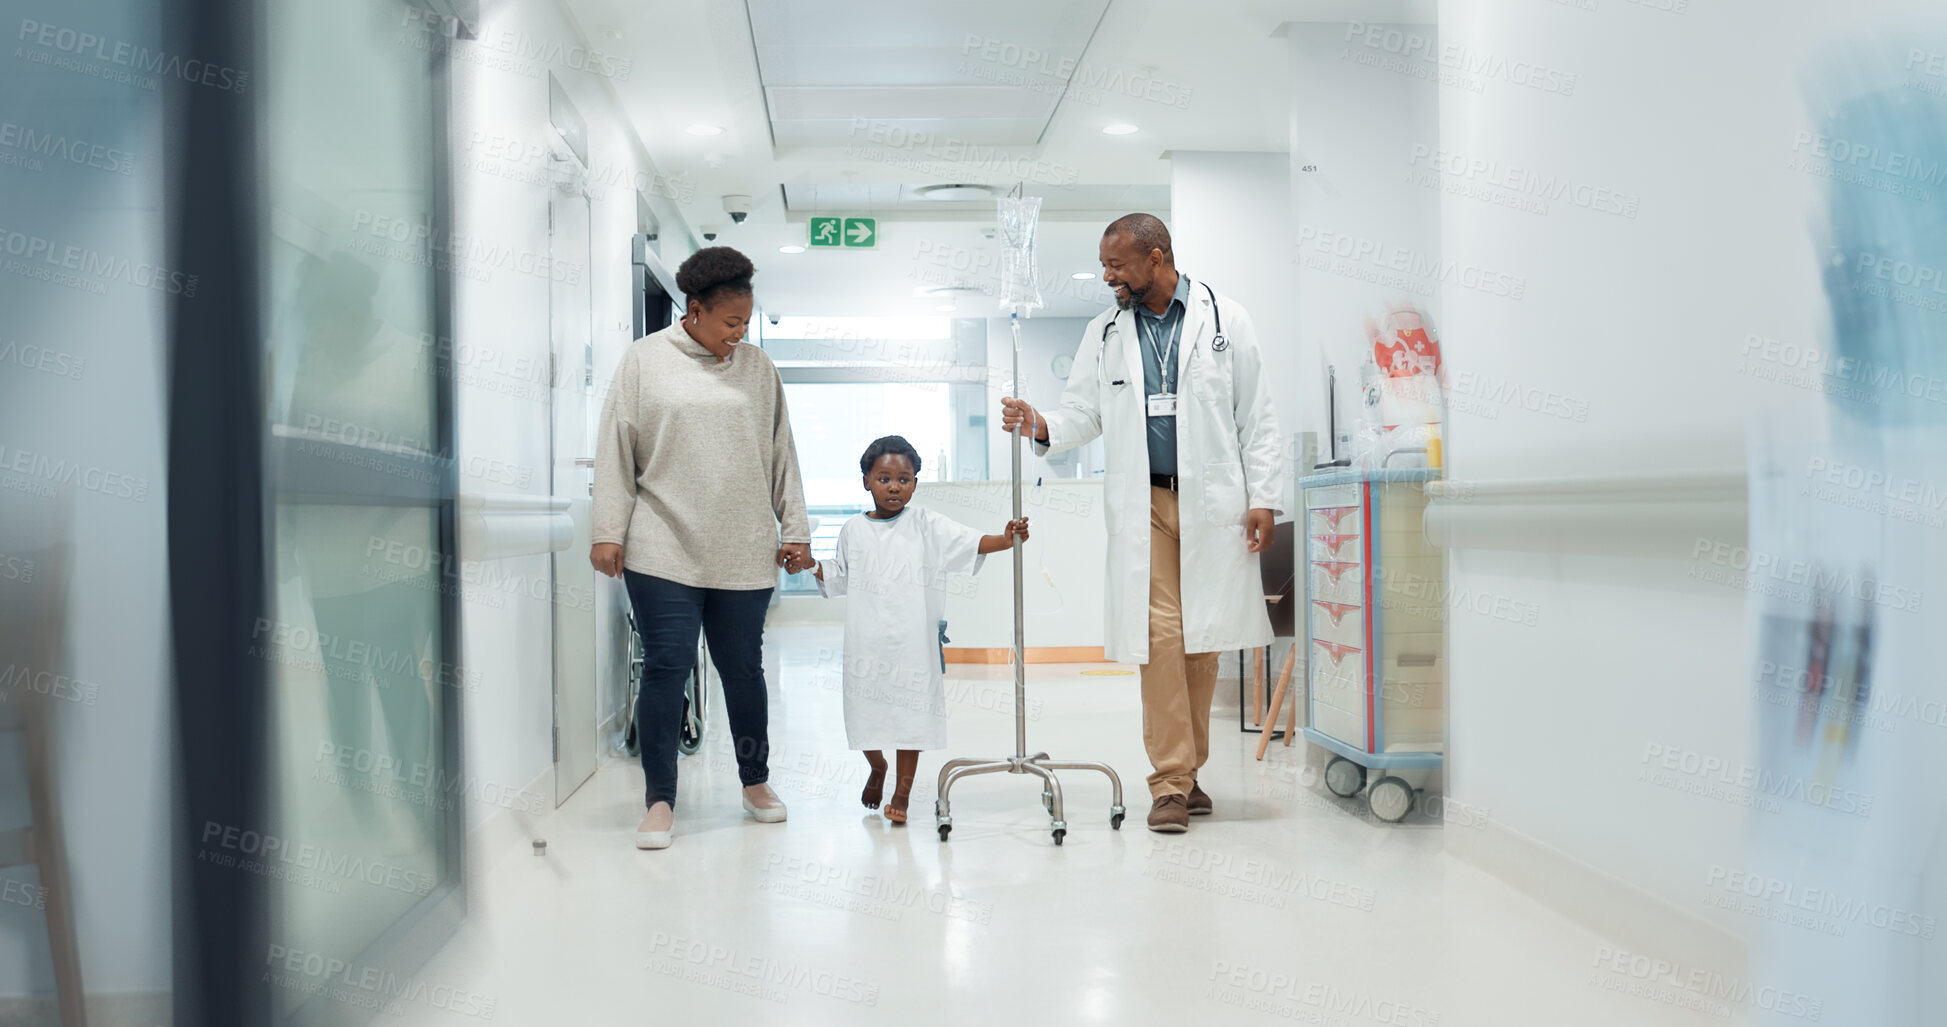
<point x="794" y="557"/>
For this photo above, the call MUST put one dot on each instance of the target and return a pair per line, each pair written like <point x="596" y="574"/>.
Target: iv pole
<point x="1038" y="764"/>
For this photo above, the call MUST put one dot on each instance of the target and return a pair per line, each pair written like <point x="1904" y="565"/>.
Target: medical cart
<point x="1375" y="631"/>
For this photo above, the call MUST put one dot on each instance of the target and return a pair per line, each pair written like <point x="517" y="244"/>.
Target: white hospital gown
<point x="897" y="574"/>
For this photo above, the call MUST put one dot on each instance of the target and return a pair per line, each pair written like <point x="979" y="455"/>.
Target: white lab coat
<point x="1229" y="459"/>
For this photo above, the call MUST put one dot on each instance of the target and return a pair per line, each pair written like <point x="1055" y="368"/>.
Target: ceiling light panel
<point x="989" y="74"/>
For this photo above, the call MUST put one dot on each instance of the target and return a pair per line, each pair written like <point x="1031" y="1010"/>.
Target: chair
<point x="1280" y="571"/>
<point x="33" y="609"/>
<point x="1280" y="578"/>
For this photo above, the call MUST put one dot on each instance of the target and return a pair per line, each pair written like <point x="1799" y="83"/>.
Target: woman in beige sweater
<point x="697" y="503"/>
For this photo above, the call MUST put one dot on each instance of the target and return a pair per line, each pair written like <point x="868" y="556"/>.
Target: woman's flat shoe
<point x="764" y="814"/>
<point x="654" y="839"/>
<point x="647" y="836"/>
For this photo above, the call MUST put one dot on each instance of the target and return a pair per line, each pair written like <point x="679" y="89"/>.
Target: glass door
<point x="572" y="457"/>
<point x="364" y="774"/>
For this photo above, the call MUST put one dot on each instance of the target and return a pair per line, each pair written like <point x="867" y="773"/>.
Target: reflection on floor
<point x="1286" y="905"/>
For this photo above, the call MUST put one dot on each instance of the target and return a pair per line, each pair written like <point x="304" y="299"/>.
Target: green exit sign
<point x="851" y="233"/>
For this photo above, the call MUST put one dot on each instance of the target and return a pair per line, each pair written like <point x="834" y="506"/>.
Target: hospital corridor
<point x="1367" y="513"/>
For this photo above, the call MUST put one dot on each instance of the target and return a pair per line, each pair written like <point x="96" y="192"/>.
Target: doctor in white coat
<point x="1171" y="378"/>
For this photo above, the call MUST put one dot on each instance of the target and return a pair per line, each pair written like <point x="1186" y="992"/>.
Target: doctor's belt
<point x="1164" y="481"/>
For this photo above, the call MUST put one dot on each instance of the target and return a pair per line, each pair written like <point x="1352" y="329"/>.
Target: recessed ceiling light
<point x="946" y="306"/>
<point x="790" y="249"/>
<point x="1082" y="276"/>
<point x="712" y="130"/>
<point x="1120" y="128"/>
<point x="955" y="192"/>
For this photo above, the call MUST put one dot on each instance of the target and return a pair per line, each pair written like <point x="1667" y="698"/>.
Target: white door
<point x="571" y="335"/>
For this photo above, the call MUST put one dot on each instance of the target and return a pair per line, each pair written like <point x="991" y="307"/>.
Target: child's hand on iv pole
<point x="1005" y="540"/>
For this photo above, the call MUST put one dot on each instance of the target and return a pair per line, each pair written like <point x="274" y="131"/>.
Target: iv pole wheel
<point x="945" y="829"/>
<point x="1115" y="818"/>
<point x="1060" y="832"/>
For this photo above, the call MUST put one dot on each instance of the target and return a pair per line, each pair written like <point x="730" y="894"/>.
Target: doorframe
<point x="561" y="151"/>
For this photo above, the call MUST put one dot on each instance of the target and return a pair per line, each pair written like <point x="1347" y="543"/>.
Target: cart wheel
<point x="945" y="829"/>
<point x="1390" y="799"/>
<point x="1344" y="777"/>
<point x="1115" y="821"/>
<point x="1059" y="833"/>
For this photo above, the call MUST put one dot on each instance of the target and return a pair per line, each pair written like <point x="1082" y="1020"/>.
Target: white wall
<point x="1639" y="321"/>
<point x="1061" y="590"/>
<point x="1048" y="344"/>
<point x="1353" y="126"/>
<point x="504" y="414"/>
<point x="1230" y="224"/>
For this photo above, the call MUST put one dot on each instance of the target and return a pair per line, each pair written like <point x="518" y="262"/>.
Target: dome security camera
<point x="709" y="233"/>
<point x="775" y="318"/>
<point x="737" y="206"/>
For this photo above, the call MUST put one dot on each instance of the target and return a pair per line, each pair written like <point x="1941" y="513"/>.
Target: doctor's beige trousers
<point x="1177" y="686"/>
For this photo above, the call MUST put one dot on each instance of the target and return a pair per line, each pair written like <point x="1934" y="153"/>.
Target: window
<point x="833" y="423"/>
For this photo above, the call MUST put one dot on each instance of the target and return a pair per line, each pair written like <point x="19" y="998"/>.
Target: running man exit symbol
<point x="851" y="233"/>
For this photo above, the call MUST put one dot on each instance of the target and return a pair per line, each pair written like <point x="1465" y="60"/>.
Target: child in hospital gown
<point x="896" y="564"/>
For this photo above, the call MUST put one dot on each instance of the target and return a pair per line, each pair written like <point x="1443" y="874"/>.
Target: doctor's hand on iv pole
<point x="1015" y="412"/>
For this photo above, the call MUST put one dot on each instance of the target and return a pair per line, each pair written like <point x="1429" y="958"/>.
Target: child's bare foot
<point x="903" y="787"/>
<point x="875" y="783"/>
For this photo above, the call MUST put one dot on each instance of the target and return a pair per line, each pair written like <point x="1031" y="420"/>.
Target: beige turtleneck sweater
<point x="696" y="476"/>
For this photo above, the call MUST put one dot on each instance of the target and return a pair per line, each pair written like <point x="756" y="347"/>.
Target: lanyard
<point x="1165" y="361"/>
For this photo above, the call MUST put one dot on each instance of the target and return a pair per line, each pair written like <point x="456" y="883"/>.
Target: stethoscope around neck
<point x="1217" y="341"/>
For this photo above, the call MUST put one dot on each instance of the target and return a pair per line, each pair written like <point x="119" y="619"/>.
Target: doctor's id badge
<point x="1163" y="404"/>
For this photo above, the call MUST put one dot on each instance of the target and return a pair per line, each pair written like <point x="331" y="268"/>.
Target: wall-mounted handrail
<point x="1662" y="515"/>
<point x="495" y="526"/>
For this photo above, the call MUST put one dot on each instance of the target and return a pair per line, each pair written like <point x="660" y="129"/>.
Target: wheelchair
<point x="696" y="691"/>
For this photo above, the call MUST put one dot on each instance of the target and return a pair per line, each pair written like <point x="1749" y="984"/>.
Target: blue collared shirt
<point x="1154" y="335"/>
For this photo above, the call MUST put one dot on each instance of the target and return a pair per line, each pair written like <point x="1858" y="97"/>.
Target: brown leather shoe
<point x="1169" y="815"/>
<point x="1198" y="801"/>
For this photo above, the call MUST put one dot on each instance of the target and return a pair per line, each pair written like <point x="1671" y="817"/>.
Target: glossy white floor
<point x="1286" y="905"/>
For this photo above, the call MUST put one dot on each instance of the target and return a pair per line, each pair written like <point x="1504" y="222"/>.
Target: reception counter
<point x="1063" y="564"/>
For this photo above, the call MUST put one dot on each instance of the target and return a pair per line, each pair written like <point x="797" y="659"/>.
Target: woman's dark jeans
<point x="732" y="620"/>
